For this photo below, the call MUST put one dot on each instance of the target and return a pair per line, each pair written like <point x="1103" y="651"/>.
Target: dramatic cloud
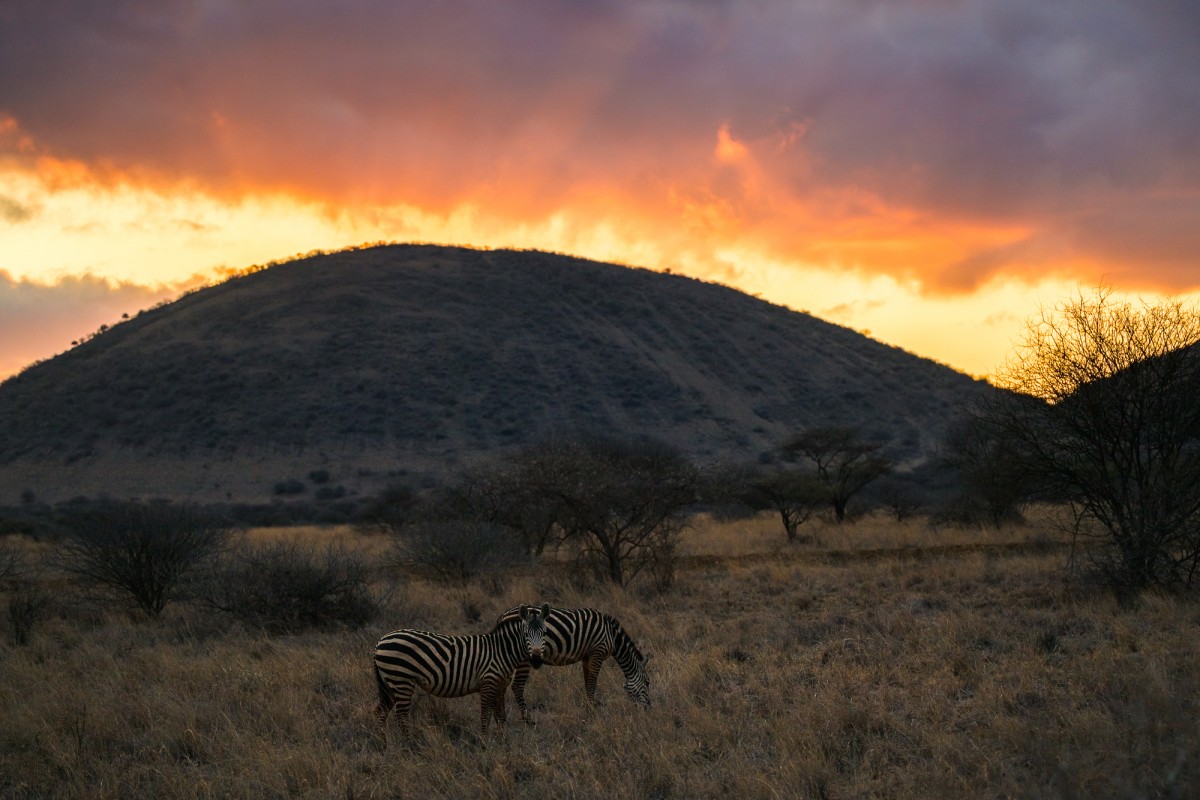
<point x="945" y="144"/>
<point x="1033" y="130"/>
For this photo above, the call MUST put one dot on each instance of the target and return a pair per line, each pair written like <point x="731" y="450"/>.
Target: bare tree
<point x="1115" y="431"/>
<point x="140" y="551"/>
<point x="844" y="463"/>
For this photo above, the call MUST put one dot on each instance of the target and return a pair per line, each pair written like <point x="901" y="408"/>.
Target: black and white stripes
<point x="455" y="666"/>
<point x="583" y="635"/>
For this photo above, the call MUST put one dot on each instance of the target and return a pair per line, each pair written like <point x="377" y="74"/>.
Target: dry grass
<point x="949" y="673"/>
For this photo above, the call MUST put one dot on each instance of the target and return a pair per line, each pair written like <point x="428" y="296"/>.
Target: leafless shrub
<point x="140" y="552"/>
<point x="29" y="604"/>
<point x="1102" y="412"/>
<point x="456" y="551"/>
<point x="287" y="587"/>
<point x="11" y="563"/>
<point x="27" y="600"/>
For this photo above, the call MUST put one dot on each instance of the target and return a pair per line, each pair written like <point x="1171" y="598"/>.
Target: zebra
<point x="456" y="666"/>
<point x="588" y="636"/>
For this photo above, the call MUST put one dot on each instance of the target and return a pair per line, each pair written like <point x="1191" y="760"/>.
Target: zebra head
<point x="534" y="624"/>
<point x="637" y="683"/>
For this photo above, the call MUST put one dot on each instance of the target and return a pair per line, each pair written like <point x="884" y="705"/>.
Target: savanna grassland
<point x="879" y="659"/>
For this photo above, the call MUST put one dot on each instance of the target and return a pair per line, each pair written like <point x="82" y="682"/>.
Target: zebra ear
<point x="545" y="610"/>
<point x="524" y="613"/>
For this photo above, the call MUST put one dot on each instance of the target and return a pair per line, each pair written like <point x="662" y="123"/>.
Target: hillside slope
<point x="415" y="359"/>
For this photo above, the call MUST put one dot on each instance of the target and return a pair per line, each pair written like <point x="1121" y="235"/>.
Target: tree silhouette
<point x="792" y="494"/>
<point x="845" y="464"/>
<point x="1104" y="412"/>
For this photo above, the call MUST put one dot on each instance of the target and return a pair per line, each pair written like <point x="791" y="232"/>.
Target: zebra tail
<point x="385" y="696"/>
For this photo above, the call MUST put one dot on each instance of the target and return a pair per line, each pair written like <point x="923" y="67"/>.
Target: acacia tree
<point x="1117" y="431"/>
<point x="621" y="504"/>
<point x="793" y="495"/>
<point x="845" y="464"/>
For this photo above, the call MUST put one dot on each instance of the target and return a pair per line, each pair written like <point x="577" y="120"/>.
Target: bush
<point x="27" y="601"/>
<point x="140" y="552"/>
<point x="284" y="587"/>
<point x="291" y="486"/>
<point x="969" y="510"/>
<point x="391" y="510"/>
<point x="331" y="492"/>
<point x="899" y="497"/>
<point x="456" y="551"/>
<point x="29" y="604"/>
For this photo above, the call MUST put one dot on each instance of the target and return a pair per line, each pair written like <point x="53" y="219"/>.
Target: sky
<point x="930" y="172"/>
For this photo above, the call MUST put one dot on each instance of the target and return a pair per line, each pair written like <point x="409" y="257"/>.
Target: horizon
<point x="929" y="173"/>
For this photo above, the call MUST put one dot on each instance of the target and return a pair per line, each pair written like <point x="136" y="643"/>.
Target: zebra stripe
<point x="456" y="666"/>
<point x="589" y="636"/>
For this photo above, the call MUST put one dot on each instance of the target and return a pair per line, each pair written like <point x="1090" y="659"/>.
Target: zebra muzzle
<point x="536" y="660"/>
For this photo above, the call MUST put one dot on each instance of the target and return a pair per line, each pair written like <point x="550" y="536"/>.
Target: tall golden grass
<point x="934" y="665"/>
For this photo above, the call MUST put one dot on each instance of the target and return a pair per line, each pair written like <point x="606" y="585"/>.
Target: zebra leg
<point x="487" y="705"/>
<point x="591" y="675"/>
<point x="385" y="698"/>
<point x="498" y="704"/>
<point x="520" y="678"/>
<point x="403" y="699"/>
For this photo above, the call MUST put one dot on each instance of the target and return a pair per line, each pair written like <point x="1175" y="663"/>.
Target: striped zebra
<point x="588" y="636"/>
<point x="456" y="666"/>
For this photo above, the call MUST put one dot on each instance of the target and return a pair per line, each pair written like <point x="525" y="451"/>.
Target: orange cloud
<point x="939" y="147"/>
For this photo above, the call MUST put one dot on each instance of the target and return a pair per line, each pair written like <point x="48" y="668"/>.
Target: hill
<point x="410" y="361"/>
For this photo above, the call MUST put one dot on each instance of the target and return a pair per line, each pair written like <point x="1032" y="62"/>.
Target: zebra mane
<point x="511" y="616"/>
<point x="623" y="643"/>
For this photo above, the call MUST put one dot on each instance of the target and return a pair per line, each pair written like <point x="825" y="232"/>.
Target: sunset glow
<point x="929" y="172"/>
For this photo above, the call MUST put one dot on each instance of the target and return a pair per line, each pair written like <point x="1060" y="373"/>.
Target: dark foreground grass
<point x="952" y="675"/>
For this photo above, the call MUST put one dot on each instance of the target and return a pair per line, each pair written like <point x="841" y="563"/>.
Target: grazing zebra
<point x="589" y="636"/>
<point x="456" y="666"/>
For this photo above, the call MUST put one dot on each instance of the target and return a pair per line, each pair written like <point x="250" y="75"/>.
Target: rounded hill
<point x="415" y="359"/>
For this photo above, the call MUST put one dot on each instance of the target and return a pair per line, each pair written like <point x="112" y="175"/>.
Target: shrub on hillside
<point x="291" y="486"/>
<point x="390" y="510"/>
